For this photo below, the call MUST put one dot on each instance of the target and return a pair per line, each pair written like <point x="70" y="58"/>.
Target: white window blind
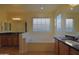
<point x="58" y="23"/>
<point x="69" y="25"/>
<point x="41" y="24"/>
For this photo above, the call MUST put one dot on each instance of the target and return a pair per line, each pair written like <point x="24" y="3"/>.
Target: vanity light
<point x="73" y="5"/>
<point x="71" y="8"/>
<point x="41" y="8"/>
<point x="16" y="18"/>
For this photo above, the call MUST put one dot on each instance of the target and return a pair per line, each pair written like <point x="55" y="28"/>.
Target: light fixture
<point x="42" y="8"/>
<point x="72" y="6"/>
<point x="16" y="18"/>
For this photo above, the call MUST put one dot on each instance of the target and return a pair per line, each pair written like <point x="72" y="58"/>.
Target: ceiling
<point x="69" y="8"/>
<point x="74" y="9"/>
<point x="35" y="7"/>
<point x="29" y="7"/>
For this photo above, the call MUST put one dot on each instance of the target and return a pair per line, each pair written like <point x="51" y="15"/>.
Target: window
<point x="41" y="24"/>
<point x="58" y="23"/>
<point x="69" y="25"/>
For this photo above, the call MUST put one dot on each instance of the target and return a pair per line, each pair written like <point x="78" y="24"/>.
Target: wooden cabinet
<point x="9" y="40"/>
<point x="56" y="47"/>
<point x="73" y="52"/>
<point x="15" y="40"/>
<point x="4" y="41"/>
<point x="63" y="49"/>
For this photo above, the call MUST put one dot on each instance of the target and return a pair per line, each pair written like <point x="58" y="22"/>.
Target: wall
<point x="34" y="41"/>
<point x="3" y="19"/>
<point x="17" y="25"/>
<point x="27" y="17"/>
<point x="39" y="41"/>
<point x="64" y="11"/>
<point x="35" y="36"/>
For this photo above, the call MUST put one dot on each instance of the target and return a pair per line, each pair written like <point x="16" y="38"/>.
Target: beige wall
<point x="27" y="17"/>
<point x="17" y="26"/>
<point x="67" y="14"/>
<point x="2" y="19"/>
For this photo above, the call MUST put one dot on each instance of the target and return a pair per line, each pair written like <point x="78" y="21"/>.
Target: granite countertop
<point x="10" y="32"/>
<point x="68" y="42"/>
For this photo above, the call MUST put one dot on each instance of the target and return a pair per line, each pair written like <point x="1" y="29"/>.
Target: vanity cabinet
<point x="56" y="47"/>
<point x="63" y="49"/>
<point x="60" y="48"/>
<point x="9" y="40"/>
<point x="3" y="40"/>
<point x="73" y="52"/>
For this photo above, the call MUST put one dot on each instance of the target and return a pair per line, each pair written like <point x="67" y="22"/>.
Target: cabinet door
<point x="9" y="41"/>
<point x="73" y="52"/>
<point x="56" y="47"/>
<point x="4" y="41"/>
<point x="15" y="39"/>
<point x="63" y="49"/>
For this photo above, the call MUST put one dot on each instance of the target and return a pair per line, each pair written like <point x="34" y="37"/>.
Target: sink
<point x="71" y="37"/>
<point x="72" y="43"/>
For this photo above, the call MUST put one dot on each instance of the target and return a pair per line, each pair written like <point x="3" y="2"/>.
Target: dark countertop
<point x="11" y="32"/>
<point x="64" y="39"/>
